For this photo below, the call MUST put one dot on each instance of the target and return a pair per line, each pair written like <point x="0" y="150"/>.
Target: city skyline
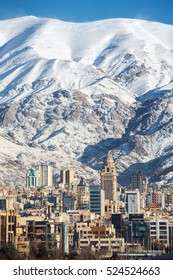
<point x="67" y="220"/>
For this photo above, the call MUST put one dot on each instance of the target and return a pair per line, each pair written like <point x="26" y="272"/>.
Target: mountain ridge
<point x="69" y="90"/>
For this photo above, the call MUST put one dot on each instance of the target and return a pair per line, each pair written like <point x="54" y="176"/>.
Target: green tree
<point x="42" y="252"/>
<point x="87" y="254"/>
<point x="38" y="252"/>
<point x="72" y="255"/>
<point x="9" y="252"/>
<point x="57" y="254"/>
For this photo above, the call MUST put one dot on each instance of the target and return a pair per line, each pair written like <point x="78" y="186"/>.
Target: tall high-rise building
<point x="132" y="201"/>
<point x="137" y="180"/>
<point x="67" y="177"/>
<point x="109" y="178"/>
<point x="46" y="175"/>
<point x="33" y="178"/>
<point x="97" y="200"/>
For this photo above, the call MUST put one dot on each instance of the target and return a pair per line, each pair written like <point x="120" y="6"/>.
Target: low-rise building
<point x="49" y="233"/>
<point x="159" y="231"/>
<point x="106" y="246"/>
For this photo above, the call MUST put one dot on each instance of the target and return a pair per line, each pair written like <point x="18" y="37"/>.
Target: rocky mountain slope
<point x="70" y="92"/>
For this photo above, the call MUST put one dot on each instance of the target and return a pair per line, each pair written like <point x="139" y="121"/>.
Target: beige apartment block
<point x="95" y="230"/>
<point x="106" y="246"/>
<point x="9" y="227"/>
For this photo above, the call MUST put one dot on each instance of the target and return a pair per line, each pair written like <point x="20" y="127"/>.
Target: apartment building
<point x="159" y="230"/>
<point x="106" y="246"/>
<point x="49" y="233"/>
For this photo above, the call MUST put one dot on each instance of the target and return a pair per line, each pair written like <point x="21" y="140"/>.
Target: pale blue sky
<point x="89" y="10"/>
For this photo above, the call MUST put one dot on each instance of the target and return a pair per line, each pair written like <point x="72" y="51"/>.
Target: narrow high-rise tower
<point x="109" y="178"/>
<point x="67" y="177"/>
<point x="46" y="175"/>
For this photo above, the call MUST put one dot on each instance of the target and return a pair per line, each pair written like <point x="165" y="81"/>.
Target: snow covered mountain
<point x="69" y="92"/>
